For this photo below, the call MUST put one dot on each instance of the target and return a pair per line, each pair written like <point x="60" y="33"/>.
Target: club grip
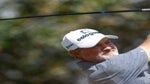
<point x="146" y="10"/>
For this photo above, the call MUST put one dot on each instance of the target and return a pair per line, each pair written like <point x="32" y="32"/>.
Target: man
<point x="101" y="61"/>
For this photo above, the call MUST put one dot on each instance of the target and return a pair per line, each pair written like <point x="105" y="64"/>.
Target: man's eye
<point x="107" y="42"/>
<point x="98" y="45"/>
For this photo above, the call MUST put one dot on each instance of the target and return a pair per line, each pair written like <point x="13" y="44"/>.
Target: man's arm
<point x="146" y="46"/>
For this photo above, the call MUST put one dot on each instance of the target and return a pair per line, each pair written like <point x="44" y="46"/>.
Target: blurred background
<point x="30" y="49"/>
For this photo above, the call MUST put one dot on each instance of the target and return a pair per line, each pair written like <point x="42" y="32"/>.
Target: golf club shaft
<point x="81" y="13"/>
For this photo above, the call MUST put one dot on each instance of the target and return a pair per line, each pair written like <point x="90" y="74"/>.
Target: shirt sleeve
<point x="134" y="60"/>
<point x="123" y="67"/>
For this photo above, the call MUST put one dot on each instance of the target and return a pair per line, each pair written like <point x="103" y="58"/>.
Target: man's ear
<point x="74" y="52"/>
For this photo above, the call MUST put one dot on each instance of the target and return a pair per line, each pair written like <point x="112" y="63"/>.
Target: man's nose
<point x="106" y="47"/>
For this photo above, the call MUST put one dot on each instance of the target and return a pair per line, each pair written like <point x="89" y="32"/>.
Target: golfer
<point x="100" y="60"/>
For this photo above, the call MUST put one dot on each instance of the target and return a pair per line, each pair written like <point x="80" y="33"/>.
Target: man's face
<point x="103" y="50"/>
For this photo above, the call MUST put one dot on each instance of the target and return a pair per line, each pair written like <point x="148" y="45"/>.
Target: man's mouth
<point x="106" y="51"/>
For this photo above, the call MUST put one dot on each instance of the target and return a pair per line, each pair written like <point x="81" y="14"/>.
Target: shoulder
<point x="146" y="46"/>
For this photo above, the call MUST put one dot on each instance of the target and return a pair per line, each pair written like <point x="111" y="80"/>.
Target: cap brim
<point x="92" y="41"/>
<point x="112" y="36"/>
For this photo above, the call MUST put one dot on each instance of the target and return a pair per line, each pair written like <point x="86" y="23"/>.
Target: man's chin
<point x="106" y="56"/>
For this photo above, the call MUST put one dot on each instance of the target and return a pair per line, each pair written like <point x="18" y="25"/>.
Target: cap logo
<point x="86" y="34"/>
<point x="69" y="45"/>
<point x="85" y="31"/>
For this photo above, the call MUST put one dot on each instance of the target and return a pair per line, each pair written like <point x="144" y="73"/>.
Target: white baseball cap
<point x="83" y="38"/>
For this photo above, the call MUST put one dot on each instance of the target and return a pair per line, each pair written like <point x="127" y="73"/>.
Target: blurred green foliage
<point x="30" y="50"/>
